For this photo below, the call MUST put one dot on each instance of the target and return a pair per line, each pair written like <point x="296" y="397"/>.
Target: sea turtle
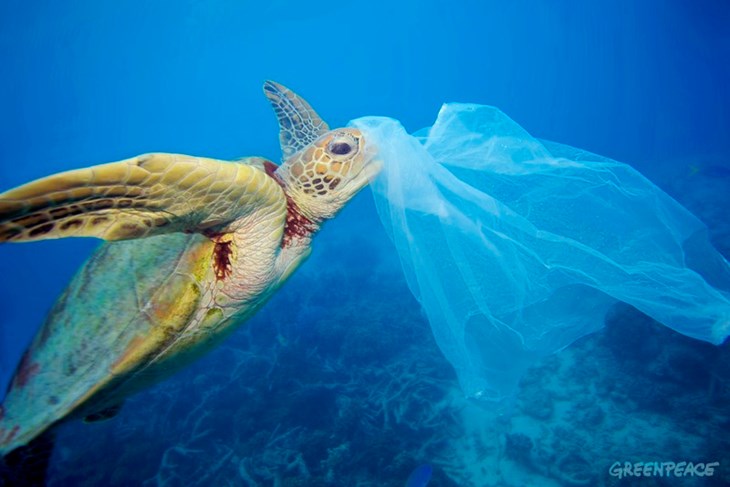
<point x="199" y="245"/>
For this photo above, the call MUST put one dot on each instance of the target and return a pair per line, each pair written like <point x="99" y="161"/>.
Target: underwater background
<point x="338" y="380"/>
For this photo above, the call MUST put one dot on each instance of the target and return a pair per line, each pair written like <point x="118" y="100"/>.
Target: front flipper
<point x="299" y="124"/>
<point x="138" y="197"/>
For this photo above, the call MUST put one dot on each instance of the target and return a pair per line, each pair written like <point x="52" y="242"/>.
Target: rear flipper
<point x="104" y="414"/>
<point x="27" y="465"/>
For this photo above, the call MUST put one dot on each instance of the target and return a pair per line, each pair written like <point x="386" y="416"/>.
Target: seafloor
<point x="338" y="382"/>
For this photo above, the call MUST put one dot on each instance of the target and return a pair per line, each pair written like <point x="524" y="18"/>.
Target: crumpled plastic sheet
<point x="517" y="247"/>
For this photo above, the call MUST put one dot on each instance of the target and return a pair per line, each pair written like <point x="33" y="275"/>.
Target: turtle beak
<point x="369" y="169"/>
<point x="372" y="165"/>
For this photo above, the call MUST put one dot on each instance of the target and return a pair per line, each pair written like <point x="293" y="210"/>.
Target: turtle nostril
<point x="340" y="148"/>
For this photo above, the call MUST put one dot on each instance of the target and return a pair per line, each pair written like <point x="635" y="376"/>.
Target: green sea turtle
<point x="199" y="245"/>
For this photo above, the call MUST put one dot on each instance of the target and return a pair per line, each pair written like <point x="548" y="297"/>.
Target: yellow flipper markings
<point x="138" y="197"/>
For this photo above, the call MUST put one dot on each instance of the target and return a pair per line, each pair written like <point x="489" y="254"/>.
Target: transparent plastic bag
<point x="515" y="247"/>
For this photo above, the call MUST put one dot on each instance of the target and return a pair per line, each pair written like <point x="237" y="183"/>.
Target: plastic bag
<point x="515" y="247"/>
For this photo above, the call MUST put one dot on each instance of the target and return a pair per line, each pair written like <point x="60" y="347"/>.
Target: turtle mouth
<point x="372" y="165"/>
<point x="370" y="168"/>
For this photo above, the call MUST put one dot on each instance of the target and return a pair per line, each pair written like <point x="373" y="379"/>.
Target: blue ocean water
<point x="338" y="381"/>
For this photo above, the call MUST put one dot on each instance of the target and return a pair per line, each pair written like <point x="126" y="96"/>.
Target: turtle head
<point x="322" y="168"/>
<point x="327" y="173"/>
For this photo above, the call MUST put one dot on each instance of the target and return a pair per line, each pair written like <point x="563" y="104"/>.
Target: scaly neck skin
<point x="251" y="253"/>
<point x="258" y="262"/>
<point x="300" y="226"/>
<point x="298" y="232"/>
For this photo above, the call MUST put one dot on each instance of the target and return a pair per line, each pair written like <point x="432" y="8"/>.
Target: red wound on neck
<point x="270" y="169"/>
<point x="297" y="225"/>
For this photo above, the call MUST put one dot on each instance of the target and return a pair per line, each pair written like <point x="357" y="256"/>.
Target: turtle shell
<point x="129" y="301"/>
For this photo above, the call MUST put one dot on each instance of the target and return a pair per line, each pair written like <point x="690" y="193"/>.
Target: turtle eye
<point x="342" y="145"/>
<point x="340" y="148"/>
